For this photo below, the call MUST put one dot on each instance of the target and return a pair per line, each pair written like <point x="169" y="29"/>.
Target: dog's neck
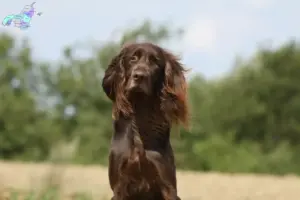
<point x="147" y="113"/>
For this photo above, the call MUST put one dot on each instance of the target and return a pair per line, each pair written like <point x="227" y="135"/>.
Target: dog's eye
<point x="134" y="59"/>
<point x="153" y="59"/>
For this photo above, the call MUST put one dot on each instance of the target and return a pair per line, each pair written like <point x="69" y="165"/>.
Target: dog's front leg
<point x="116" y="198"/>
<point x="170" y="194"/>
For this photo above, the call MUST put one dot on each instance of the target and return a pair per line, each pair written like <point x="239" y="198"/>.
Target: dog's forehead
<point x="145" y="48"/>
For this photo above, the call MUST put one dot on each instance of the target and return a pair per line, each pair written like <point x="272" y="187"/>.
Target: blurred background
<point x="244" y="83"/>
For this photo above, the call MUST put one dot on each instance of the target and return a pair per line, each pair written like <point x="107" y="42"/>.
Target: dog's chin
<point x="136" y="90"/>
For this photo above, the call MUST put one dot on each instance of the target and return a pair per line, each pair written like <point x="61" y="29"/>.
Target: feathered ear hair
<point x="113" y="86"/>
<point x="174" y="91"/>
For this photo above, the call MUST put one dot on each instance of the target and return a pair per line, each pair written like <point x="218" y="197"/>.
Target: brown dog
<point x="148" y="89"/>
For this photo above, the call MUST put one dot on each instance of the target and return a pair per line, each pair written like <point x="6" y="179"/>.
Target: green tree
<point x="23" y="126"/>
<point x="257" y="104"/>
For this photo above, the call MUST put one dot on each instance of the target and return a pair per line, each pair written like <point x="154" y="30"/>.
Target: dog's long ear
<point x="113" y="85"/>
<point x="112" y="76"/>
<point x="174" y="91"/>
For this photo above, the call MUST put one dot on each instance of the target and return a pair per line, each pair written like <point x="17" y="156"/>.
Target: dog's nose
<point x="138" y="75"/>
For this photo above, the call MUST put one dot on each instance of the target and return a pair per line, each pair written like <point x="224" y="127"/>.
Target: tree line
<point x="246" y="121"/>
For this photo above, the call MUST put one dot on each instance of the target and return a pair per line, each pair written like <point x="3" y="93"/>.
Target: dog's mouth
<point x="135" y="91"/>
<point x="135" y="87"/>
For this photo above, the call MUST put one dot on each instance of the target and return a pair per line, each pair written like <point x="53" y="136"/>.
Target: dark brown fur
<point x="148" y="89"/>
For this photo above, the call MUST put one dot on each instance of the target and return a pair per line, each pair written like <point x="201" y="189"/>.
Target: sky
<point x="216" y="31"/>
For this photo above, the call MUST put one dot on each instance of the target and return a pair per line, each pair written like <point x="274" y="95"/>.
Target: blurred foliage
<point x="246" y="121"/>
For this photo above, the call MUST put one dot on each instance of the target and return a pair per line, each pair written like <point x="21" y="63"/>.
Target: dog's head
<point x="146" y="70"/>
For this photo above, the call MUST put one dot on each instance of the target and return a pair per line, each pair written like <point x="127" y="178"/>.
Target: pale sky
<point x="215" y="31"/>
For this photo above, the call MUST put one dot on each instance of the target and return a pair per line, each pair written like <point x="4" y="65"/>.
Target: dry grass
<point x="192" y="186"/>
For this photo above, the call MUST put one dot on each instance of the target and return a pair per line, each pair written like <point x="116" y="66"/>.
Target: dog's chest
<point x="153" y="130"/>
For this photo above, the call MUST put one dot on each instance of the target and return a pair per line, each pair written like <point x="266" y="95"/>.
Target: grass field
<point x="93" y="180"/>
